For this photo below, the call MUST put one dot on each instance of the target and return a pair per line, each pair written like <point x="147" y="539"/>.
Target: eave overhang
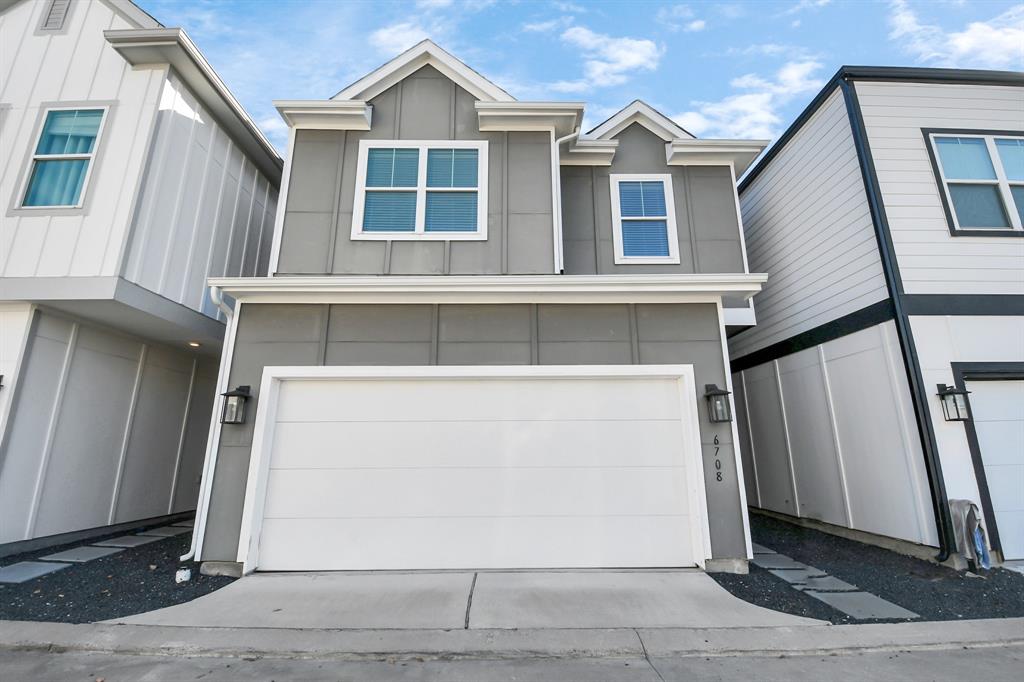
<point x="325" y="114"/>
<point x="588" y="152"/>
<point x="493" y="289"/>
<point x="561" y="117"/>
<point x="739" y="153"/>
<point x="171" y="46"/>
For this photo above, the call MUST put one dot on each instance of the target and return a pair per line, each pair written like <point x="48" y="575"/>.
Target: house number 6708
<point x="718" y="462"/>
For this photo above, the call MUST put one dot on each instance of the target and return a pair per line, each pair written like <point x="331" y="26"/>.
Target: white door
<point x="437" y="472"/>
<point x="998" y="412"/>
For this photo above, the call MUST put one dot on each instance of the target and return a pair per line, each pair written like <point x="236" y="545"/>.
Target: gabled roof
<point x="416" y="57"/>
<point x="647" y="116"/>
<point x="126" y="8"/>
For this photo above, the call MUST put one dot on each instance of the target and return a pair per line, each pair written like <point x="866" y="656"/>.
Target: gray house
<point x="486" y="341"/>
<point x="128" y="176"/>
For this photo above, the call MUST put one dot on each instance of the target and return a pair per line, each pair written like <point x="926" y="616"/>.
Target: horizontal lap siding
<point x="931" y="261"/>
<point x="808" y="225"/>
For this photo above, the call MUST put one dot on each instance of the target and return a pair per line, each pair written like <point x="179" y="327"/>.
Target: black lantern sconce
<point x="719" y="409"/>
<point x="234" y="405"/>
<point x="954" y="403"/>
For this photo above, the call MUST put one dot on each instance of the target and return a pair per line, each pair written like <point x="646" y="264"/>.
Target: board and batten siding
<point x="931" y="261"/>
<point x="808" y="225"/>
<point x="71" y="461"/>
<point x="204" y="210"/>
<point x="802" y="420"/>
<point x="73" y="67"/>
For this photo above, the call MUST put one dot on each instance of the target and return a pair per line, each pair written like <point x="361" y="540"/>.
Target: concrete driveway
<point x="484" y="600"/>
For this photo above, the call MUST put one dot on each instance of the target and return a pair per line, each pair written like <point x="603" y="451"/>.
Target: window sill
<point x="646" y="260"/>
<point x="420" y="236"/>
<point x="1007" y="232"/>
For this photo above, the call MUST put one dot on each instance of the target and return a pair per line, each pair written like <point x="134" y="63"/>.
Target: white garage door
<point x="999" y="421"/>
<point x="480" y="472"/>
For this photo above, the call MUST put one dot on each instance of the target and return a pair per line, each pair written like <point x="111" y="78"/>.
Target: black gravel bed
<point x="135" y="580"/>
<point x="934" y="592"/>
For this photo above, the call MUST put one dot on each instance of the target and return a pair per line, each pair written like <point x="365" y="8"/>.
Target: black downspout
<point x="918" y="394"/>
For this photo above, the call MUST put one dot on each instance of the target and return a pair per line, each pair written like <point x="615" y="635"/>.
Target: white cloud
<point x="607" y="60"/>
<point x="753" y="113"/>
<point x="807" y="5"/>
<point x="566" y="6"/>
<point x="546" y="26"/>
<point x="696" y="25"/>
<point x="397" y="38"/>
<point x="433" y="4"/>
<point x="994" y="44"/>
<point x="680" y="18"/>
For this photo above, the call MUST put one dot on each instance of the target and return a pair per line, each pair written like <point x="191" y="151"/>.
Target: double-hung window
<point x="644" y="219"/>
<point x="63" y="158"/>
<point x="982" y="181"/>
<point x="421" y="190"/>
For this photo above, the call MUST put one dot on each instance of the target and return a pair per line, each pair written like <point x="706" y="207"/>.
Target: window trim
<point x="1016" y="228"/>
<point x="33" y="157"/>
<point x="420" y="233"/>
<point x="670" y="220"/>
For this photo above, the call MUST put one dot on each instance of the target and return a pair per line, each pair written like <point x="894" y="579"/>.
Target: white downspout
<point x="213" y="437"/>
<point x="556" y="188"/>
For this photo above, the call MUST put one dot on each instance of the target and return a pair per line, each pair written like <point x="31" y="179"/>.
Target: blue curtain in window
<point x="389" y="212"/>
<point x="392" y="167"/>
<point x="643" y="199"/>
<point x="59" y="182"/>
<point x="452" y="167"/>
<point x="451" y="212"/>
<point x="644" y="238"/>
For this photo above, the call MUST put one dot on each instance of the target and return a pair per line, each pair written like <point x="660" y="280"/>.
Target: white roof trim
<point x="562" y="117"/>
<point x="647" y="116"/>
<point x="739" y="153"/>
<point x="172" y="46"/>
<point x="126" y="8"/>
<point x="416" y="57"/>
<point x="588" y="152"/>
<point x="493" y="288"/>
<point x="328" y="114"/>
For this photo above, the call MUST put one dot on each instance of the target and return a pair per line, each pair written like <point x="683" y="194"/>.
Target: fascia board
<point x="739" y="153"/>
<point x="561" y="117"/>
<point x="325" y="114"/>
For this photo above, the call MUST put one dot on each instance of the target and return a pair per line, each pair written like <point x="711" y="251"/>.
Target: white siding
<point x="808" y="225"/>
<point x="931" y="261"/>
<point x="14" y="322"/>
<point x="204" y="211"/>
<point x="944" y="340"/>
<point x="73" y="461"/>
<point x="76" y="65"/>
<point x="834" y="437"/>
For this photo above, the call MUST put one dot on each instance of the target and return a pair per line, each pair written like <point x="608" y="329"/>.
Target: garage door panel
<point x="460" y="399"/>
<point x="426" y="492"/>
<point x="369" y="544"/>
<point x="997" y="400"/>
<point x="997" y="441"/>
<point x="324" y="445"/>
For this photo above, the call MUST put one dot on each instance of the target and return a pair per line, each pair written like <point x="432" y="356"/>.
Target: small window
<point x="644" y="219"/>
<point x="421" y="190"/>
<point x="63" y="158"/>
<point x="982" y="179"/>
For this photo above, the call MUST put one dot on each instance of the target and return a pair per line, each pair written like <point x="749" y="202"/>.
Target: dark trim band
<point x="964" y="304"/>
<point x="865" y="318"/>
<point x="983" y="371"/>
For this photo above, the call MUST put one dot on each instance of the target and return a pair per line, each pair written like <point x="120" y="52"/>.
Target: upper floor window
<point x="982" y="179"/>
<point x="421" y="190"/>
<point x="63" y="158"/>
<point x="644" y="219"/>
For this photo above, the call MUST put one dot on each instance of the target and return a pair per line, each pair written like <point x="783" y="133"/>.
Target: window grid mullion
<point x="1009" y="205"/>
<point x="421" y="190"/>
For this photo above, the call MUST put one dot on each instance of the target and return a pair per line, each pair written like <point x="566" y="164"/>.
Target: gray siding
<point x="475" y="335"/>
<point x="424" y="106"/>
<point x="706" y="220"/>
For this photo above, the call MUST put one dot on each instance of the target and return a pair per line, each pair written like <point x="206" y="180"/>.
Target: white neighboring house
<point x="889" y="219"/>
<point x="130" y="174"/>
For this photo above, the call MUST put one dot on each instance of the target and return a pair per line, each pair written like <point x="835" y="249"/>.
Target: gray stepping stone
<point x="798" y="576"/>
<point x="776" y="561"/>
<point x="760" y="549"/>
<point x="862" y="605"/>
<point x="827" y="583"/>
<point x="166" y="531"/>
<point x="27" y="570"/>
<point x="79" y="555"/>
<point x="127" y="541"/>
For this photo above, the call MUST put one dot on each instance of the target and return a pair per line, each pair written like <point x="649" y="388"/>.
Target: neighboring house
<point x="485" y="342"/>
<point x="889" y="220"/>
<point x="129" y="175"/>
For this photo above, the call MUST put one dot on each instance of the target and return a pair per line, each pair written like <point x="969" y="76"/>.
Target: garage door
<point x="467" y="471"/>
<point x="998" y="408"/>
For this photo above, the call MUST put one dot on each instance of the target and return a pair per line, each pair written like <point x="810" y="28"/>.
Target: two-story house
<point x="486" y="340"/>
<point x="128" y="176"/>
<point x="885" y="376"/>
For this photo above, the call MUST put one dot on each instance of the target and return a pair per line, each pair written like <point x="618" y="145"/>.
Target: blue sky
<point x="722" y="69"/>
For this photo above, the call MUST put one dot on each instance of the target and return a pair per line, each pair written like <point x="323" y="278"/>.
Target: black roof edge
<point x="908" y="74"/>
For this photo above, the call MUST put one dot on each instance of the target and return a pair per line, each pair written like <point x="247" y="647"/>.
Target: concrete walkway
<point x="466" y="600"/>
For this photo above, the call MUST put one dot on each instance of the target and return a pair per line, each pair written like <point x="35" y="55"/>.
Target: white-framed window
<point x="982" y="180"/>
<point x="62" y="159"/>
<point x="644" y="219"/>
<point x="421" y="190"/>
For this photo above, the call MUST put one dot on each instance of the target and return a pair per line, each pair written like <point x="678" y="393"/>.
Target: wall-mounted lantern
<point x="954" y="403"/>
<point x="234" y="405"/>
<point x="719" y="409"/>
